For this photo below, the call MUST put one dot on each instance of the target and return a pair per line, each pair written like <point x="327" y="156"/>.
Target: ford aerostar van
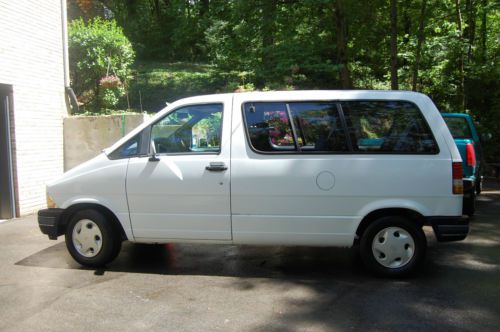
<point x="308" y="168"/>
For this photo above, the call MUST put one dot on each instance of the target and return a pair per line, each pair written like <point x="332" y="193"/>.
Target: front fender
<point x="121" y="214"/>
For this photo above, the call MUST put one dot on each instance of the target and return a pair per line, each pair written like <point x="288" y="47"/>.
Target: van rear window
<point x="389" y="127"/>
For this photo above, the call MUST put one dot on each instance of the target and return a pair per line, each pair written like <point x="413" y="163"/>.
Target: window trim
<point x="149" y="129"/>
<point x="343" y="122"/>
<point x="292" y="125"/>
<point x="141" y="149"/>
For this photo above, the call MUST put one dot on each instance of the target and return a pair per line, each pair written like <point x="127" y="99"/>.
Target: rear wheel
<point x="393" y="246"/>
<point x="91" y="239"/>
<point x="479" y="185"/>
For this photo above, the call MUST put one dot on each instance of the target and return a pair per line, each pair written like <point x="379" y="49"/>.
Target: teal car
<point x="467" y="139"/>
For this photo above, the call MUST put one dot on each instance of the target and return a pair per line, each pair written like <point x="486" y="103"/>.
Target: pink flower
<point x="110" y="81"/>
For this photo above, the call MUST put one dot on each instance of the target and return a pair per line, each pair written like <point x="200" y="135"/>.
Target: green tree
<point x="447" y="49"/>
<point x="100" y="61"/>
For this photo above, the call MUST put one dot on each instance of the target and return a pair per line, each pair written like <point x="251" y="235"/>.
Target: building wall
<point x="31" y="60"/>
<point x="86" y="136"/>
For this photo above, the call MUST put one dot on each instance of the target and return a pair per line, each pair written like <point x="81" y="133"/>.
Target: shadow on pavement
<point x="213" y="260"/>
<point x="457" y="288"/>
<point x="480" y="247"/>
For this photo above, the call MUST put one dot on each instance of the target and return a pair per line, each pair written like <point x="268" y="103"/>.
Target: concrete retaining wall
<point x="86" y="136"/>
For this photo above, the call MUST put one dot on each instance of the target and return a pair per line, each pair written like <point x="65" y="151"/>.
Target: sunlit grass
<point x="155" y="83"/>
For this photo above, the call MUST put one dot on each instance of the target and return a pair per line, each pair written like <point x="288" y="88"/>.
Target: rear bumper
<point x="469" y="186"/>
<point x="449" y="228"/>
<point x="49" y="222"/>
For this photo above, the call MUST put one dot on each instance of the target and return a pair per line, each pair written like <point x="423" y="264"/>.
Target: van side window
<point x="389" y="127"/>
<point x="278" y="126"/>
<point x="318" y="127"/>
<point x="190" y="129"/>
<point x="269" y="127"/>
<point x="130" y="148"/>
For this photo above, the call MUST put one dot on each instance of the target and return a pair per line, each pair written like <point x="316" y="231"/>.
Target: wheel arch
<point x="410" y="214"/>
<point x="110" y="215"/>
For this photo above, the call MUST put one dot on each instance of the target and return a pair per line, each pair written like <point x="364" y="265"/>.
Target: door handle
<point x="216" y="167"/>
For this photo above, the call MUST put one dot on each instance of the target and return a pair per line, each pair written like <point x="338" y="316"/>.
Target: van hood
<point x="91" y="165"/>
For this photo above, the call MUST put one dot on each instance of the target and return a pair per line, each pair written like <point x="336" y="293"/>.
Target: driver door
<point x="182" y="190"/>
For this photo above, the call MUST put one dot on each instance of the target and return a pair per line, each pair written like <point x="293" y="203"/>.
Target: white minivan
<point x="308" y="168"/>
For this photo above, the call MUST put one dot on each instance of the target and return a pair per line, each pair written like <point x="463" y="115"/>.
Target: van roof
<point x="316" y="94"/>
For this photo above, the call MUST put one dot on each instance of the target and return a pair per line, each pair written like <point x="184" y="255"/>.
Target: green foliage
<point x="275" y="44"/>
<point x="100" y="60"/>
<point x="156" y="83"/>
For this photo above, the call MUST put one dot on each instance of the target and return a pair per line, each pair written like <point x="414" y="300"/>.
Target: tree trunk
<point x="420" y="41"/>
<point x="394" y="45"/>
<point x="482" y="50"/>
<point x="341" y="32"/>
<point x="157" y="10"/>
<point x="187" y="5"/>
<point x="131" y="6"/>
<point x="461" y="85"/>
<point x="407" y="26"/>
<point x="268" y="31"/>
<point x="407" y="21"/>
<point x="204" y="8"/>
<point x="470" y="28"/>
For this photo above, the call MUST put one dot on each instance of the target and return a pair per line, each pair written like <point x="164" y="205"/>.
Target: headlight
<point x="50" y="202"/>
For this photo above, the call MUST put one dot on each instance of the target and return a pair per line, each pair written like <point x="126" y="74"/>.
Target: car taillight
<point x="458" y="186"/>
<point x="471" y="155"/>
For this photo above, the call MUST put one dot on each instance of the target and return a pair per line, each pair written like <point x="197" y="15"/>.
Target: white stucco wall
<point x="31" y="60"/>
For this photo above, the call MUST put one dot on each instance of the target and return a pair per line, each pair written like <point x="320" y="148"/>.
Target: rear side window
<point x="313" y="127"/>
<point x="319" y="127"/>
<point x="269" y="127"/>
<point x="390" y="127"/>
<point x="458" y="126"/>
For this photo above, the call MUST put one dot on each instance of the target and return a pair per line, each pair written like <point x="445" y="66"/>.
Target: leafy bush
<point x="100" y="60"/>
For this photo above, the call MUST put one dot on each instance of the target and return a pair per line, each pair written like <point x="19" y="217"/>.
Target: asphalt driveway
<point x="221" y="287"/>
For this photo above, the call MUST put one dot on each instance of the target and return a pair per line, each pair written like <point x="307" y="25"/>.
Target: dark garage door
<point x="7" y="202"/>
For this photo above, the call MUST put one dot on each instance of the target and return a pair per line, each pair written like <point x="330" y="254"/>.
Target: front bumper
<point x="449" y="228"/>
<point x="49" y="222"/>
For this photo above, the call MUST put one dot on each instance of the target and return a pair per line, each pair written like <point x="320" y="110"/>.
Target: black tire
<point x="415" y="252"/>
<point x="469" y="202"/>
<point x="479" y="185"/>
<point x="106" y="233"/>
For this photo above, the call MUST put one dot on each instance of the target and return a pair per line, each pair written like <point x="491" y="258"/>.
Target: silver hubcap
<point x="87" y="238"/>
<point x="393" y="247"/>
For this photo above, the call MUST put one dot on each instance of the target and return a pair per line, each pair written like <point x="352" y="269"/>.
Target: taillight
<point x="458" y="186"/>
<point x="471" y="155"/>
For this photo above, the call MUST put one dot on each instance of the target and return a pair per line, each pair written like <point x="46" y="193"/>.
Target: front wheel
<point x="393" y="246"/>
<point x="91" y="239"/>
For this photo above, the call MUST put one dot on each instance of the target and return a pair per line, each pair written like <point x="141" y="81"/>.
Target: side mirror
<point x="152" y="155"/>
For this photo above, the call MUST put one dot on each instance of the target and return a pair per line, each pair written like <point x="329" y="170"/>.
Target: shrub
<point x="100" y="60"/>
